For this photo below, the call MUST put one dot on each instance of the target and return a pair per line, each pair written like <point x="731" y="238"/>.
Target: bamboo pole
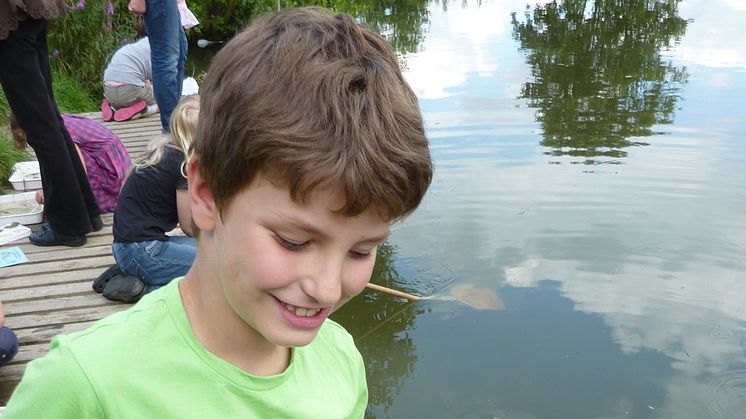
<point x="393" y="292"/>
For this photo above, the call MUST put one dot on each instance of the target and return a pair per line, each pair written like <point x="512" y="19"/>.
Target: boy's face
<point x="284" y="267"/>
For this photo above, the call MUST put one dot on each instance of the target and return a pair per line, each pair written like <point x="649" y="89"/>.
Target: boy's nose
<point x="326" y="285"/>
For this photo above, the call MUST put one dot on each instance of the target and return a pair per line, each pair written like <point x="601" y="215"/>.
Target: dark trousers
<point x="25" y="76"/>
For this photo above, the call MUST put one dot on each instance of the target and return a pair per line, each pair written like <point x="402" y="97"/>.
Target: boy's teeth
<point x="300" y="311"/>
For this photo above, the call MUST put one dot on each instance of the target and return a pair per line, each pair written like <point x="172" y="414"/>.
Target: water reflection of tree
<point x="402" y="22"/>
<point x="380" y="325"/>
<point x="598" y="77"/>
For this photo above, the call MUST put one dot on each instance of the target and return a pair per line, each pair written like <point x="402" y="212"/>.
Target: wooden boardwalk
<point x="52" y="294"/>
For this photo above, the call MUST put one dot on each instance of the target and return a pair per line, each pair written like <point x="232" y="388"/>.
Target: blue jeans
<point x="168" y="51"/>
<point x="8" y="345"/>
<point x="156" y="262"/>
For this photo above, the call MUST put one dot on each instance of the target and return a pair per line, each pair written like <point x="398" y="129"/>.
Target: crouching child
<point x="310" y="144"/>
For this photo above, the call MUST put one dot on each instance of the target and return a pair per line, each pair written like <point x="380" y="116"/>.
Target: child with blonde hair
<point x="153" y="201"/>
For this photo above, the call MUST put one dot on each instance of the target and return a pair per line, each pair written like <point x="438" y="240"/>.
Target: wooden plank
<point x="11" y="374"/>
<point x="89" y="299"/>
<point x="74" y="315"/>
<point x="45" y="333"/>
<point x="47" y="291"/>
<point x="45" y="279"/>
<point x="30" y="249"/>
<point x="58" y="266"/>
<point x="29" y="352"/>
<point x="62" y="254"/>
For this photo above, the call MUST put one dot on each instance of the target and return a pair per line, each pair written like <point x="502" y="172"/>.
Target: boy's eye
<point x="361" y="254"/>
<point x="289" y="244"/>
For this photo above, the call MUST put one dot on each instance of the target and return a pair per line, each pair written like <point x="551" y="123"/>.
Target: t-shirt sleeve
<point x="362" y="399"/>
<point x="181" y="182"/>
<point x="54" y="386"/>
<point x="175" y="163"/>
<point x="358" y="385"/>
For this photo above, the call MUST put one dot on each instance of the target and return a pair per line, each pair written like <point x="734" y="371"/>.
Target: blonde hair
<point x="183" y="125"/>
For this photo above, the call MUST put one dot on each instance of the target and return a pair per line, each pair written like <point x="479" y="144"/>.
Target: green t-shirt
<point x="147" y="362"/>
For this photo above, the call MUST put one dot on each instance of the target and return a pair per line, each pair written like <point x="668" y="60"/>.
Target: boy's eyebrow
<point x="302" y="225"/>
<point x="377" y="239"/>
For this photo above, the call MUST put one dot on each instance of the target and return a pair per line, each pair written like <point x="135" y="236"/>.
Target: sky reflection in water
<point x="622" y="272"/>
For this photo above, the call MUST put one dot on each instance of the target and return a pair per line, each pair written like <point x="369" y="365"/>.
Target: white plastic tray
<point x="22" y="207"/>
<point x="26" y="176"/>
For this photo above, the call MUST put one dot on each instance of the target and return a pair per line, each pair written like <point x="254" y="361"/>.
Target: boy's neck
<point x="226" y="335"/>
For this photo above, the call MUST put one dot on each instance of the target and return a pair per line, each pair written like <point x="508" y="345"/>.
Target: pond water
<point x="590" y="171"/>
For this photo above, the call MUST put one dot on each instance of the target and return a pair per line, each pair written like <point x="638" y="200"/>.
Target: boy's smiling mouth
<point x="302" y="312"/>
<point x="303" y="317"/>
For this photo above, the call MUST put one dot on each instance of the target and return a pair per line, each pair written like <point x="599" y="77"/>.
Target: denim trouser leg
<point x="168" y="50"/>
<point x="8" y="345"/>
<point x="156" y="262"/>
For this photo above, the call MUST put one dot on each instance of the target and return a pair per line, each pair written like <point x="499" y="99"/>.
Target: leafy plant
<point x="72" y="96"/>
<point x="82" y="42"/>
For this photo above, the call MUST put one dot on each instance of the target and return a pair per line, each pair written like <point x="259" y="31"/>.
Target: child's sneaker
<point x="125" y="114"/>
<point x="107" y="113"/>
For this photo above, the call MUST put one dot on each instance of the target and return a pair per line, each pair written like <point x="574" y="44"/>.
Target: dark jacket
<point x="14" y="11"/>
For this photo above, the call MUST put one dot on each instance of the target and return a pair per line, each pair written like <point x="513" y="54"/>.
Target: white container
<point x="26" y="176"/>
<point x="20" y="208"/>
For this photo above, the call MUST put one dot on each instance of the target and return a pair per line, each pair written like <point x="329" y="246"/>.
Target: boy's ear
<point x="204" y="210"/>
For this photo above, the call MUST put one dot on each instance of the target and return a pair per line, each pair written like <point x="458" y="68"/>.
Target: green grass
<point x="72" y="97"/>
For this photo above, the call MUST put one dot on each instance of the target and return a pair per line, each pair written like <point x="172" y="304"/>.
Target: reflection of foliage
<point x="598" y="78"/>
<point x="401" y="21"/>
<point x="379" y="324"/>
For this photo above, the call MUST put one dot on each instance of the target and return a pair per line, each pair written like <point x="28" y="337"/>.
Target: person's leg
<point x="80" y="172"/>
<point x="183" y="51"/>
<point x="8" y="345"/>
<point x="163" y="24"/>
<point x="124" y="96"/>
<point x="156" y="262"/>
<point x="26" y="89"/>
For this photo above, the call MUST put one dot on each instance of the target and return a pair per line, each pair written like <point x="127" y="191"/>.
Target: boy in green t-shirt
<point x="310" y="144"/>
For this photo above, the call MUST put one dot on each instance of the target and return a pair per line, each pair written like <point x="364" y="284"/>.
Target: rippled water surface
<point x="591" y="171"/>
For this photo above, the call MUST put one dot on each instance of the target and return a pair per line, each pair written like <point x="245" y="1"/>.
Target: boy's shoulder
<point x="73" y="378"/>
<point x="110" y="341"/>
<point x="334" y="341"/>
<point x="335" y="335"/>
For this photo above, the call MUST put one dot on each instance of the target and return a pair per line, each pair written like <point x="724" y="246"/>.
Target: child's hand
<point x="137" y="7"/>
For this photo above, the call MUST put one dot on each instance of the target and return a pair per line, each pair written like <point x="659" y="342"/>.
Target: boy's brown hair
<point x="311" y="99"/>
